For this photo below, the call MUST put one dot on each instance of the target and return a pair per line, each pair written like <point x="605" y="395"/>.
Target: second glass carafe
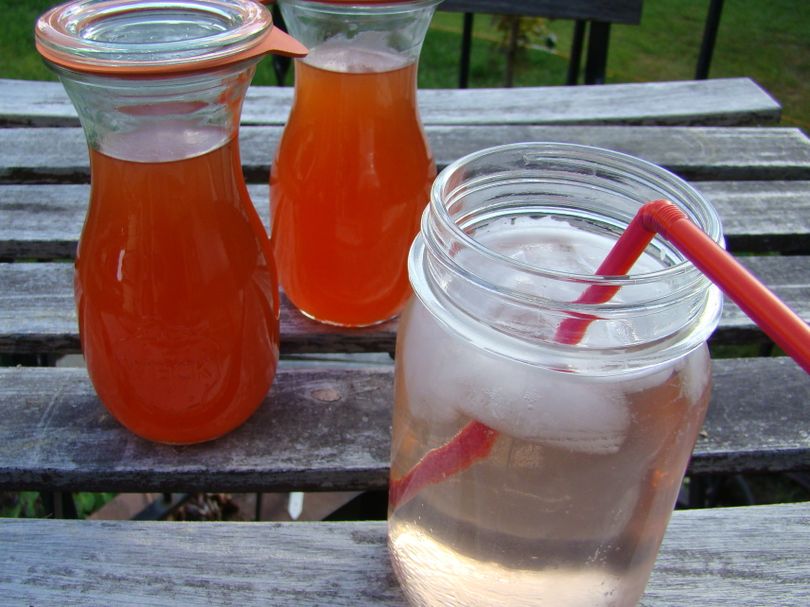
<point x="353" y="170"/>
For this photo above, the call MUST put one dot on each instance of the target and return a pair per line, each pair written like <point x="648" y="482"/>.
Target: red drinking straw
<point x="779" y="322"/>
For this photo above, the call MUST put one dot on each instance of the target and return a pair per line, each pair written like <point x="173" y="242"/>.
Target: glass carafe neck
<point x="158" y="80"/>
<point x="159" y="119"/>
<point x="359" y="37"/>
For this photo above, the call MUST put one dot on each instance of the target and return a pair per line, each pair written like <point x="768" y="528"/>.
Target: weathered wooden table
<point x="326" y="428"/>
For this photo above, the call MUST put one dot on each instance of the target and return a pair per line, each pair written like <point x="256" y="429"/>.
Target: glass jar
<point x="175" y="283"/>
<point x="353" y="170"/>
<point x="529" y="468"/>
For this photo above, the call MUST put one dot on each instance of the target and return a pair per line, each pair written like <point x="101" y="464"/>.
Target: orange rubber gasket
<point x="273" y="41"/>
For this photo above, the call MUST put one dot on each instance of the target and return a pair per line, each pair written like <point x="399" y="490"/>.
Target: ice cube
<point x="549" y="407"/>
<point x="426" y="356"/>
<point x="447" y="376"/>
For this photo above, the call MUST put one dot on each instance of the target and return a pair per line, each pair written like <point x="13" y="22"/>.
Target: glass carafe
<point x="175" y="282"/>
<point x="353" y="170"/>
<point x="533" y="464"/>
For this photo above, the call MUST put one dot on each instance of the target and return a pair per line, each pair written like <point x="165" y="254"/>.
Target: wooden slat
<point x="762" y="216"/>
<point x="303" y="437"/>
<point x="37" y="312"/>
<point x="59" y="155"/>
<point x="722" y="101"/>
<point x="329" y="429"/>
<point x="729" y="557"/>
<point x="757" y="420"/>
<point x="43" y="221"/>
<point x="702" y="153"/>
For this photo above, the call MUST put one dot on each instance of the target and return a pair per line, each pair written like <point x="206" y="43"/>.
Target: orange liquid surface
<point x="351" y="177"/>
<point x="177" y="295"/>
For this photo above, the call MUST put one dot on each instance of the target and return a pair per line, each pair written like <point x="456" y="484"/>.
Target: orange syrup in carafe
<point x="176" y="293"/>
<point x="351" y="177"/>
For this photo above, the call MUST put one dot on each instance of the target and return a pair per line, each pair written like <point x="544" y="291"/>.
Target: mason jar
<point x="530" y="467"/>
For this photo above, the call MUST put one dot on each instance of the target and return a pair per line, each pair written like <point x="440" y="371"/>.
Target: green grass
<point x="30" y="504"/>
<point x="766" y="41"/>
<point x="18" y="58"/>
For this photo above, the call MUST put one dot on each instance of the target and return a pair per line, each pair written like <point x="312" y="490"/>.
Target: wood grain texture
<point x="722" y="101"/>
<point x="757" y="419"/>
<point x="731" y="557"/>
<point x="757" y="558"/>
<point x="59" y="155"/>
<point x="37" y="312"/>
<point x="318" y="429"/>
<point x="43" y="221"/>
<point x="762" y="216"/>
<point x="329" y="429"/>
<point x="700" y="153"/>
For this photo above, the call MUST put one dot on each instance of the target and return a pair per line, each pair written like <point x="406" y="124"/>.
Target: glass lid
<point x="137" y="36"/>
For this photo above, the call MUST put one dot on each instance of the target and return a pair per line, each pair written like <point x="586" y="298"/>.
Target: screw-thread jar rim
<point x="452" y="272"/>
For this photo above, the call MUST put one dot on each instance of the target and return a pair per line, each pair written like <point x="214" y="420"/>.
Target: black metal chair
<point x="593" y="19"/>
